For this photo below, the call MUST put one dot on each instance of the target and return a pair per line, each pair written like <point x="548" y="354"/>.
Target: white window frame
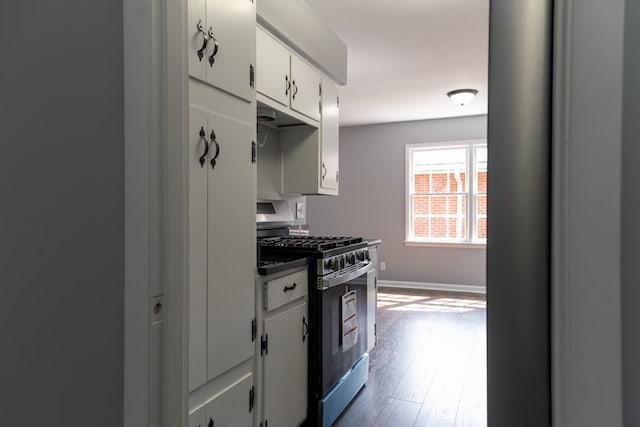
<point x="471" y="241"/>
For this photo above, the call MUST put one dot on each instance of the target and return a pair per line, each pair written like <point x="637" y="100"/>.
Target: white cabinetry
<point x="222" y="244"/>
<point x="232" y="407"/>
<point x="329" y="167"/>
<point x="310" y="156"/>
<point x="221" y="185"/>
<point x="285" y="78"/>
<point x="221" y="36"/>
<point x="283" y="346"/>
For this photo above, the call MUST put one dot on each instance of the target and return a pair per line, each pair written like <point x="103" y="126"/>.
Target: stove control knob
<point x="352" y="259"/>
<point x="366" y="255"/>
<point x="360" y="255"/>
<point x="342" y="262"/>
<point x="328" y="265"/>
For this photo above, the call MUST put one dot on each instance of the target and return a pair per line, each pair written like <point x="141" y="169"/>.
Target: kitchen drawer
<point x="282" y="290"/>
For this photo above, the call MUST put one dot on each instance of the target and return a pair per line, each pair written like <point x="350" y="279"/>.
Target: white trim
<point x="155" y="105"/>
<point x="176" y="210"/>
<point x="137" y="22"/>
<point x="586" y="324"/>
<point x="453" y="245"/>
<point x="560" y="308"/>
<point x="480" y="289"/>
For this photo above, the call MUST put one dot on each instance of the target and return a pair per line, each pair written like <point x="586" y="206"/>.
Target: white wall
<point x="372" y="194"/>
<point x="61" y="215"/>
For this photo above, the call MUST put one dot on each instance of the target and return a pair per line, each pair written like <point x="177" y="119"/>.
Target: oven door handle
<point x="330" y="282"/>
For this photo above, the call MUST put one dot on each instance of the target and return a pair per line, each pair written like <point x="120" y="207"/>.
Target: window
<point x="446" y="192"/>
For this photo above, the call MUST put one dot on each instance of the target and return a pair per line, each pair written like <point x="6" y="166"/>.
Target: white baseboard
<point x="433" y="286"/>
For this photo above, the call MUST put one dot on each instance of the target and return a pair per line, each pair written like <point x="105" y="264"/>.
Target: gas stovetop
<point x="314" y="245"/>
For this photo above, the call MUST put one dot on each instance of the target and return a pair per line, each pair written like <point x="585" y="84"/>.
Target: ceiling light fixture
<point x="462" y="96"/>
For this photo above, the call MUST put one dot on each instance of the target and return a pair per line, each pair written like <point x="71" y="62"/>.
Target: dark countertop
<point x="273" y="265"/>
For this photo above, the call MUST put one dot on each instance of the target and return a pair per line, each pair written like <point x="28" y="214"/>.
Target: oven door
<point x="343" y="328"/>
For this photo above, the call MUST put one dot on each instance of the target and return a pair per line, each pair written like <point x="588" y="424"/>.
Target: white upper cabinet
<point x="309" y="155"/>
<point x="305" y="88"/>
<point x="273" y="62"/>
<point x="329" y="168"/>
<point x="283" y="77"/>
<point x="222" y="45"/>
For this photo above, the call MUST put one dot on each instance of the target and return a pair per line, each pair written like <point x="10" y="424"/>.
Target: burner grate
<point x="311" y="243"/>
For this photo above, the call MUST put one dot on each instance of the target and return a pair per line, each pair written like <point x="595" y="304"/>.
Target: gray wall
<point x="630" y="215"/>
<point x="371" y="201"/>
<point x="61" y="217"/>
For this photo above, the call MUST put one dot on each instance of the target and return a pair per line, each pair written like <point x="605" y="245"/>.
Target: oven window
<point x="337" y="358"/>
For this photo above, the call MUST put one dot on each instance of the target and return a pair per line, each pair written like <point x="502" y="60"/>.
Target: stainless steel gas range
<point x="338" y="358"/>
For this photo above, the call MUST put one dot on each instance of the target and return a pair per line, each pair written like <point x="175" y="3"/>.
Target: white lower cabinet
<point x="285" y="367"/>
<point x="232" y="407"/>
<point x="282" y="365"/>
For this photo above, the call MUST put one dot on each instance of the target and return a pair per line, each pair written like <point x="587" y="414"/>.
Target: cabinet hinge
<point x="252" y="76"/>
<point x="254" y="329"/>
<point x="264" y="344"/>
<point x="337" y="101"/>
<point x="337" y="176"/>
<point x="254" y="152"/>
<point x="252" y="398"/>
<point x="320" y="106"/>
<point x="375" y="282"/>
<point x="320" y="89"/>
<point x="375" y="329"/>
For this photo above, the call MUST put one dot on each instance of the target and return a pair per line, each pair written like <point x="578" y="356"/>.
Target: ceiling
<point x="405" y="55"/>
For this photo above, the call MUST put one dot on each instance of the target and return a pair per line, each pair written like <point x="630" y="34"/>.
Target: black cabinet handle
<point x="288" y="85"/>
<point x="203" y="137"/>
<point x="295" y="89"/>
<point x="305" y="329"/>
<point x="324" y="170"/>
<point x="211" y="422"/>
<point x="290" y="288"/>
<point x="204" y="42"/>
<point x="212" y="58"/>
<point x="215" y="156"/>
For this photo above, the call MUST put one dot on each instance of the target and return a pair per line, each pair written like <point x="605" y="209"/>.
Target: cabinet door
<point x="285" y="368"/>
<point x="231" y="243"/>
<point x="198" y="418"/>
<point x="196" y="34"/>
<point x="233" y="26"/>
<point x="272" y="72"/>
<point x="198" y="134"/>
<point x="231" y="408"/>
<point x="305" y="88"/>
<point x="329" y="136"/>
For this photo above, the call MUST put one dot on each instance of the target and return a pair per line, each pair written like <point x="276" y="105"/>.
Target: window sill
<point x="458" y="245"/>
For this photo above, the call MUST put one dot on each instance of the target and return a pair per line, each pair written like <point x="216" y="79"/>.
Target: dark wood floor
<point x="429" y="366"/>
